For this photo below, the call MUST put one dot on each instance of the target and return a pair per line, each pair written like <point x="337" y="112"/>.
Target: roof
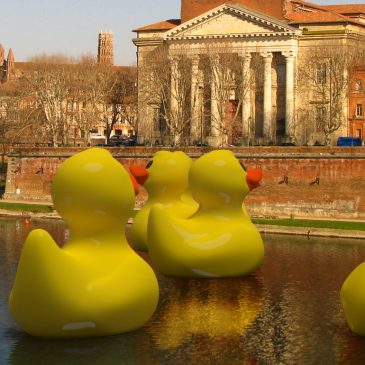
<point x="8" y="88"/>
<point x="280" y="26"/>
<point x="30" y="65"/>
<point x="346" y="9"/>
<point x="164" y="25"/>
<point x="306" y="12"/>
<point x="297" y="11"/>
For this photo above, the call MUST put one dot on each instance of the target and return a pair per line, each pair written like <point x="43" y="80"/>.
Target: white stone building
<point x="250" y="73"/>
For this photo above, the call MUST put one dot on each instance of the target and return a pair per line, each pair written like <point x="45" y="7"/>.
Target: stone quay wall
<point x="312" y="182"/>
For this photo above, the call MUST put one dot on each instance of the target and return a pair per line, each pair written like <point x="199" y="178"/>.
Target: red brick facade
<point x="192" y="8"/>
<point x="300" y="181"/>
<point x="357" y="104"/>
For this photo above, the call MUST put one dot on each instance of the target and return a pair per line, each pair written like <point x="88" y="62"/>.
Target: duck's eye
<point x="243" y="166"/>
<point x="149" y="164"/>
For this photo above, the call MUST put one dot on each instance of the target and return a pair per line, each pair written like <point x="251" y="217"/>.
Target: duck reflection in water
<point x="133" y="348"/>
<point x="206" y="319"/>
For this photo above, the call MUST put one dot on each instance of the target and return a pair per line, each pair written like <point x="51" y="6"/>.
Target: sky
<point x="71" y="27"/>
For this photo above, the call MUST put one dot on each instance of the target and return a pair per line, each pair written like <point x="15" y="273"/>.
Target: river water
<point x="289" y="312"/>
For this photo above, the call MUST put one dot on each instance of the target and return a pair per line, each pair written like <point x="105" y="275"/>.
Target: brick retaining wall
<point x="298" y="181"/>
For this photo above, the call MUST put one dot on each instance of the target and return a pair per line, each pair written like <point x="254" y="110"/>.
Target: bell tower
<point x="105" y="48"/>
<point x="192" y="8"/>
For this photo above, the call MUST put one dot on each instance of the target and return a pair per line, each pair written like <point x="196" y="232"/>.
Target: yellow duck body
<point x="352" y="296"/>
<point x="167" y="183"/>
<point x="219" y="240"/>
<point x="95" y="284"/>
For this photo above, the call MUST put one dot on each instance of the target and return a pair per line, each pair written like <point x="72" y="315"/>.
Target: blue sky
<point x="71" y="27"/>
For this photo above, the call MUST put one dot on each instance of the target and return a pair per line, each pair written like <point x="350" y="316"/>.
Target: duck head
<point x="166" y="174"/>
<point x="92" y="192"/>
<point x="218" y="178"/>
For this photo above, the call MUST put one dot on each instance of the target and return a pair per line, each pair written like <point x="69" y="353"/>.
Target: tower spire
<point x="2" y="55"/>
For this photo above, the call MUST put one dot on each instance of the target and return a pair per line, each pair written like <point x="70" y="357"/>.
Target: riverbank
<point x="311" y="231"/>
<point x="295" y="227"/>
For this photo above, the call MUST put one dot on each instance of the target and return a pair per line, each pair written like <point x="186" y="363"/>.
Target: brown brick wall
<point x="192" y="8"/>
<point x="338" y="192"/>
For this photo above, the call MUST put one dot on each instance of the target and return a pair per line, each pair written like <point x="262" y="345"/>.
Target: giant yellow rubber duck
<point x="352" y="296"/>
<point x="95" y="284"/>
<point x="218" y="240"/>
<point x="166" y="180"/>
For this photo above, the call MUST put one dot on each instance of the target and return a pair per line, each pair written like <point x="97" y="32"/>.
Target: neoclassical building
<point x="251" y="72"/>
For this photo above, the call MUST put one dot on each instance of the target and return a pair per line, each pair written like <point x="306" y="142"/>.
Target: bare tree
<point x="71" y="99"/>
<point x="49" y="84"/>
<point x="168" y="90"/>
<point x="230" y="79"/>
<point x="325" y="73"/>
<point x="112" y="96"/>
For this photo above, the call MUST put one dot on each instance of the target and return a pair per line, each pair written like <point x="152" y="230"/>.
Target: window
<point x="321" y="73"/>
<point x="319" y="113"/>
<point x="358" y="85"/>
<point x="359" y="110"/>
<point x="319" y="116"/>
<point x="358" y="133"/>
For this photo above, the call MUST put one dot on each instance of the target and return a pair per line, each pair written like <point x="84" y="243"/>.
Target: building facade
<point x="7" y="67"/>
<point x="105" y="48"/>
<point x="259" y="73"/>
<point x="357" y="104"/>
<point x="73" y="116"/>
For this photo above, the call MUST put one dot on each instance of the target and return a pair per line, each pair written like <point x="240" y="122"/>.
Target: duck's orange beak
<point x="140" y="173"/>
<point x="135" y="185"/>
<point x="253" y="178"/>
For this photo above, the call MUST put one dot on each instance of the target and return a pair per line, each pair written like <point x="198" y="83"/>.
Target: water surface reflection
<point x="287" y="313"/>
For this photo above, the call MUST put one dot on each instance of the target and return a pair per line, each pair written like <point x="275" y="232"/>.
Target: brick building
<point x="80" y="115"/>
<point x="279" y="81"/>
<point x="7" y="67"/>
<point x="357" y="104"/>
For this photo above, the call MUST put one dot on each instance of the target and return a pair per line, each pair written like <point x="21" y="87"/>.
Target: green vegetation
<point x="21" y="207"/>
<point x="359" y="226"/>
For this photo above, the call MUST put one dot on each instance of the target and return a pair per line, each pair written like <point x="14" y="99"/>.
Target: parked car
<point x="349" y="141"/>
<point x="120" y="140"/>
<point x="97" y="139"/>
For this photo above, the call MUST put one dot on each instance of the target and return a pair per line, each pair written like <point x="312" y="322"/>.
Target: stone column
<point x="267" y="130"/>
<point x="195" y="100"/>
<point x="215" y="116"/>
<point x="289" y="94"/>
<point x="246" y="98"/>
<point x="174" y="92"/>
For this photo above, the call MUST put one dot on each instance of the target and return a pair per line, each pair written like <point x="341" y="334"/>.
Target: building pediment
<point x="231" y="21"/>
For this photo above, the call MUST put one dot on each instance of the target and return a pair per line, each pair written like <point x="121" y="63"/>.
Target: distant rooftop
<point x="164" y="25"/>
